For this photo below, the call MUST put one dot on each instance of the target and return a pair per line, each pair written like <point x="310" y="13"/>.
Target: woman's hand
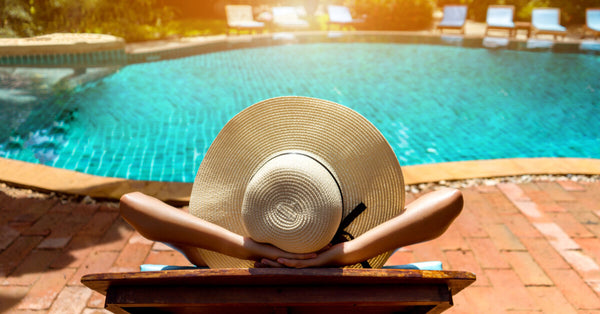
<point x="331" y="256"/>
<point x="265" y="254"/>
<point x="424" y="219"/>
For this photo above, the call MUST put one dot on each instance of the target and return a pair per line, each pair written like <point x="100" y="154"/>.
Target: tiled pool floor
<point x="135" y="144"/>
<point x="534" y="247"/>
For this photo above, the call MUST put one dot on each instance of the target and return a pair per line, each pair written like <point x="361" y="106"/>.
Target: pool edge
<point x="189" y="46"/>
<point x="45" y="178"/>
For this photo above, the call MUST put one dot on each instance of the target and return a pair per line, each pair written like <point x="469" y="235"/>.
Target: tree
<point x="16" y="18"/>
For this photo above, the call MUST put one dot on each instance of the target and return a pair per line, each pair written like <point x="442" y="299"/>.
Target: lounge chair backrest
<point x="592" y="16"/>
<point x="500" y="14"/>
<point x="545" y="16"/>
<point x="283" y="14"/>
<point x="238" y="13"/>
<point x="339" y="13"/>
<point x="455" y="13"/>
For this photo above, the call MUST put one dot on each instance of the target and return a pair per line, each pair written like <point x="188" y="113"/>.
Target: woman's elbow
<point x="452" y="206"/>
<point x="127" y="203"/>
<point x="455" y="202"/>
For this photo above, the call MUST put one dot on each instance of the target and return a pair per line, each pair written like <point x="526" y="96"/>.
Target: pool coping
<point x="190" y="46"/>
<point x="96" y="50"/>
<point x="49" y="179"/>
<point x="57" y="43"/>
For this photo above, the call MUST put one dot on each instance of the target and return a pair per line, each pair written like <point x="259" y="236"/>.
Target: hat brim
<point x="361" y="159"/>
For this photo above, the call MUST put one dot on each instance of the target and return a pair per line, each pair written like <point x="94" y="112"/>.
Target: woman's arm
<point x="424" y="219"/>
<point x="158" y="221"/>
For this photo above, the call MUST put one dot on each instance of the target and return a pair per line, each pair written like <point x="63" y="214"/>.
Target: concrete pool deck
<point x="472" y="30"/>
<point x="59" y="43"/>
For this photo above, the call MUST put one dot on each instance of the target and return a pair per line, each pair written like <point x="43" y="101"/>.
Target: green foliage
<point x="16" y="18"/>
<point x="396" y="14"/>
<point x="139" y="20"/>
<point x="134" y="20"/>
<point x="195" y="27"/>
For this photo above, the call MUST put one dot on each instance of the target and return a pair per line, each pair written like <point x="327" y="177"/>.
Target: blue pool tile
<point x="155" y="121"/>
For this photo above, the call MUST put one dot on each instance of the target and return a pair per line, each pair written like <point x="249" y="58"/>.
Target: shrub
<point x="134" y="20"/>
<point x="396" y="14"/>
<point x="15" y="19"/>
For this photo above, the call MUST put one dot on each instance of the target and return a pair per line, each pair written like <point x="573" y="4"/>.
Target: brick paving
<point x="533" y="246"/>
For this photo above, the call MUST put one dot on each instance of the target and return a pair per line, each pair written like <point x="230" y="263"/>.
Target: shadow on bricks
<point x="45" y="238"/>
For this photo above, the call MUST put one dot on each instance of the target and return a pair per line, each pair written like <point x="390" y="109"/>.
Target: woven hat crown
<point x="294" y="203"/>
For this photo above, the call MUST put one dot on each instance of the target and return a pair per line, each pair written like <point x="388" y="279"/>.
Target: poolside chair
<point x="340" y="15"/>
<point x="500" y="17"/>
<point x="592" y="22"/>
<point x="547" y="21"/>
<point x="280" y="290"/>
<point x="239" y="17"/>
<point x="288" y="18"/>
<point x="454" y="18"/>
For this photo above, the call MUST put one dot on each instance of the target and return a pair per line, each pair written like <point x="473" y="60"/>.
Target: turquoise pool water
<point x="155" y="121"/>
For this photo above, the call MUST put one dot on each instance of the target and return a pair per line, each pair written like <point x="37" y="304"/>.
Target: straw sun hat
<point x="297" y="173"/>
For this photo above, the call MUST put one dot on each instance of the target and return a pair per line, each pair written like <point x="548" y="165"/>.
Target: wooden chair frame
<point x="280" y="290"/>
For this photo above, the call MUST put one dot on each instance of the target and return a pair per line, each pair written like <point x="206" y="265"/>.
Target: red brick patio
<point x="533" y="246"/>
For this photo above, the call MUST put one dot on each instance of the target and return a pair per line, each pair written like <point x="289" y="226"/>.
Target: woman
<point x="295" y="182"/>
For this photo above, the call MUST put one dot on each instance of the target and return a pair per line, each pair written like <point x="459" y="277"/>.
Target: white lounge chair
<point x="592" y="22"/>
<point x="239" y="17"/>
<point x="454" y="17"/>
<point x="547" y="21"/>
<point x="340" y="15"/>
<point x="288" y="18"/>
<point x="500" y="17"/>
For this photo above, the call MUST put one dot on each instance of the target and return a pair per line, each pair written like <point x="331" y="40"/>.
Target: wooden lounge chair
<point x="454" y="17"/>
<point x="239" y="17"/>
<point x="547" y="21"/>
<point x="340" y="15"/>
<point x="288" y="18"/>
<point x="500" y="17"/>
<point x="592" y="22"/>
<point x="280" y="290"/>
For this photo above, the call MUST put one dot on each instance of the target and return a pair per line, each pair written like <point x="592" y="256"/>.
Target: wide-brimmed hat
<point x="297" y="173"/>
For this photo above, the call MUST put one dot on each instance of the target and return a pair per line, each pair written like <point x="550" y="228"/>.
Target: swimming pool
<point x="155" y="121"/>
